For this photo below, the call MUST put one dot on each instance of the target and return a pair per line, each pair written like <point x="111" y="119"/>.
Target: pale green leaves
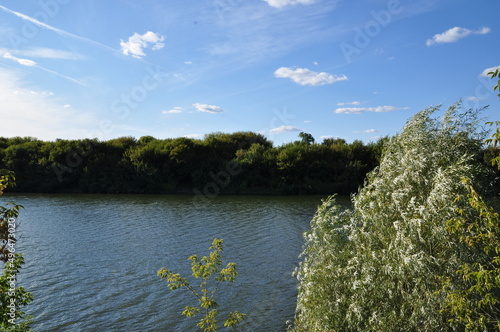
<point x="207" y="268"/>
<point x="381" y="265"/>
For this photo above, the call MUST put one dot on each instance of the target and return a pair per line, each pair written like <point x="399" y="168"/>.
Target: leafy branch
<point x="494" y="74"/>
<point x="207" y="268"/>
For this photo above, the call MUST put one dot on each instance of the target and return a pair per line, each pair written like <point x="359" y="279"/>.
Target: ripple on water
<point x="91" y="260"/>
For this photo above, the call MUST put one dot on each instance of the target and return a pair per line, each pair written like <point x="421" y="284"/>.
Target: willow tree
<point x="390" y="262"/>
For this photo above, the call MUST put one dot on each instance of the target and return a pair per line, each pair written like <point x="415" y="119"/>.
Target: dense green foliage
<point x="204" y="269"/>
<point x="12" y="296"/>
<point x="241" y="162"/>
<point x="411" y="255"/>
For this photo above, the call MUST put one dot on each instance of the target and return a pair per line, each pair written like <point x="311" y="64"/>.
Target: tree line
<point x="227" y="163"/>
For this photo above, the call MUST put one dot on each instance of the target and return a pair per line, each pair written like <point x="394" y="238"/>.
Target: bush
<point x="390" y="262"/>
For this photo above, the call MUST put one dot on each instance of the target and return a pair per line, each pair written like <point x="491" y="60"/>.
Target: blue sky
<point x="333" y="68"/>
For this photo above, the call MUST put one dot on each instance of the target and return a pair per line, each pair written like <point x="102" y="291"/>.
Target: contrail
<point x="61" y="75"/>
<point x="56" y="30"/>
<point x="31" y="63"/>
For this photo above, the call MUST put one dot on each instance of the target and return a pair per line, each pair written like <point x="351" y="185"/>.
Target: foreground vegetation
<point x="12" y="296"/>
<point x="211" y="275"/>
<point x="419" y="250"/>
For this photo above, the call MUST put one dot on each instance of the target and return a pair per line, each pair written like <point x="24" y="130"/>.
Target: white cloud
<point x="355" y="103"/>
<point x="368" y="131"/>
<point x="24" y="62"/>
<point x="208" y="108"/>
<point x="284" y="129"/>
<point x="487" y="70"/>
<point x="307" y="121"/>
<point x="188" y="62"/>
<point x="304" y="76"/>
<point x="175" y="110"/>
<point x="137" y="43"/>
<point x="283" y="3"/>
<point x="193" y="136"/>
<point x="359" y="110"/>
<point x="41" y="114"/>
<point x="455" y="34"/>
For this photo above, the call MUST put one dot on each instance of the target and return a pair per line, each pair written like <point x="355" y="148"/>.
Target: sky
<point x="356" y="70"/>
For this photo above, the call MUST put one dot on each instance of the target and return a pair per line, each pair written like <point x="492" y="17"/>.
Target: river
<point x="91" y="260"/>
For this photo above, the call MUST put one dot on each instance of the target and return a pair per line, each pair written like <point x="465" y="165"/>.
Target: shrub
<point x="383" y="265"/>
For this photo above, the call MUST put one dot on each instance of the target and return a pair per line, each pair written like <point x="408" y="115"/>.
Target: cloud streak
<point x="47" y="53"/>
<point x="454" y="34"/>
<point x="31" y="63"/>
<point x="24" y="62"/>
<point x="304" y="76"/>
<point x="359" y="110"/>
<point x="368" y="131"/>
<point x="283" y="3"/>
<point x="175" y="110"/>
<point x="54" y="29"/>
<point x="355" y="103"/>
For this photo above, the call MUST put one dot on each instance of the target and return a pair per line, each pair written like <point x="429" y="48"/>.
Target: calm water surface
<point x="91" y="260"/>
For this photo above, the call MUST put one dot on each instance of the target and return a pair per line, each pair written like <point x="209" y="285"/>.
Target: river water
<point x="91" y="260"/>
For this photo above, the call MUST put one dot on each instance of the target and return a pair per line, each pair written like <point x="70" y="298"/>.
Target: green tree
<point x="472" y="298"/>
<point x="12" y="296"/>
<point x="207" y="268"/>
<point x="306" y="138"/>
<point x="382" y="265"/>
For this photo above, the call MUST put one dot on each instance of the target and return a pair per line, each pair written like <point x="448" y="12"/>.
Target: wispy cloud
<point x="283" y="3"/>
<point x="284" y="129"/>
<point x="251" y="34"/>
<point x="304" y="76"/>
<point x="137" y="43"/>
<point x="355" y="103"/>
<point x="208" y="108"/>
<point x="24" y="62"/>
<point x="455" y="34"/>
<point x="488" y="70"/>
<point x="47" y="53"/>
<point x="175" y="110"/>
<point x="359" y="110"/>
<point x="31" y="63"/>
<point x="28" y="112"/>
<point x="368" y="131"/>
<point x="54" y="29"/>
